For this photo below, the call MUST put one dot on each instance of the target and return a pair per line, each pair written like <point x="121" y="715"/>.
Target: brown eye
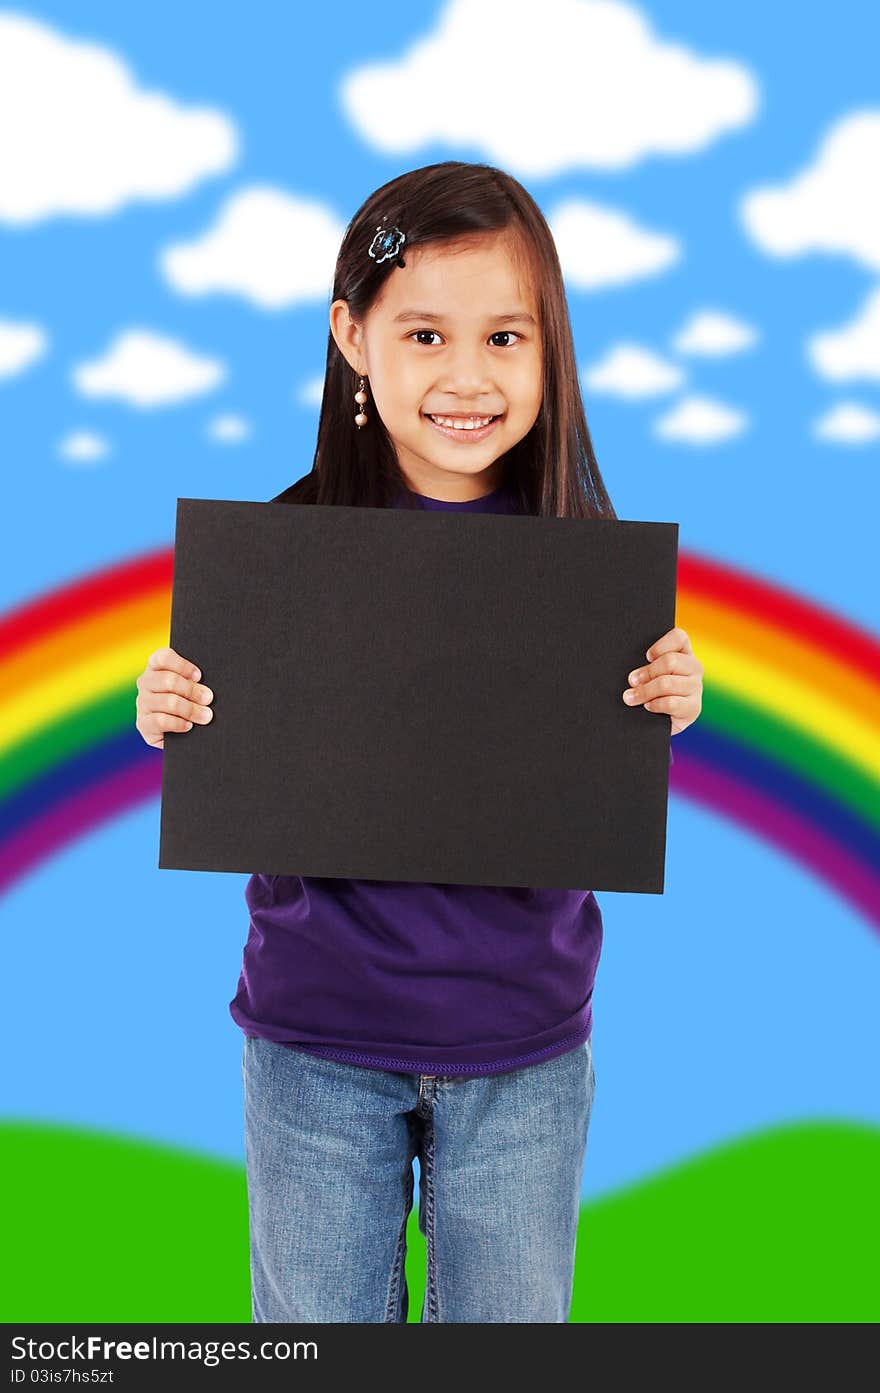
<point x="499" y="333"/>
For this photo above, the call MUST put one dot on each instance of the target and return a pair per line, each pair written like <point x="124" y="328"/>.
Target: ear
<point x="348" y="335"/>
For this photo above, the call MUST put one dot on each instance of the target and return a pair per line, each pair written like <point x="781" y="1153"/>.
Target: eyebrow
<point x="521" y="316"/>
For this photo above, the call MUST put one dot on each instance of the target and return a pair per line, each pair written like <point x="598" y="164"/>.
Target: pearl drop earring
<point x="360" y="396"/>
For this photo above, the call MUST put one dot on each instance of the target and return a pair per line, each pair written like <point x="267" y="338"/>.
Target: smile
<point x="467" y="430"/>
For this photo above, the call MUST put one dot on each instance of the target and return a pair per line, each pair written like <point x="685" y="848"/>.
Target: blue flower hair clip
<point x="388" y="240"/>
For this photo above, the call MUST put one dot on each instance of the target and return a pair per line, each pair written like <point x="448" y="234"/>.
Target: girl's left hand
<point x="673" y="681"/>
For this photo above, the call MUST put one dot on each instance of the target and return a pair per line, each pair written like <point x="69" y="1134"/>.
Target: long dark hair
<point x="552" y="470"/>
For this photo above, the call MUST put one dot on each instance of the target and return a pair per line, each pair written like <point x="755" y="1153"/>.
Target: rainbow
<point x="787" y="743"/>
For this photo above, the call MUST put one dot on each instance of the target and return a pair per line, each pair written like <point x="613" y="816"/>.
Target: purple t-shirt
<point x="420" y="977"/>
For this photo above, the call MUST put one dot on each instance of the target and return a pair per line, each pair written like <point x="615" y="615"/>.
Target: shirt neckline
<point x="462" y="502"/>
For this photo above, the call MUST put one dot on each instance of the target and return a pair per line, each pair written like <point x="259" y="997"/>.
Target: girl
<point x="383" y="1020"/>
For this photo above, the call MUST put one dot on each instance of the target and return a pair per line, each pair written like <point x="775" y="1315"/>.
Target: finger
<point x="157" y="726"/>
<point x="668" y="684"/>
<point x="162" y="679"/>
<point x="674" y="640"/>
<point x="167" y="658"/>
<point x="672" y="705"/>
<point x="675" y="661"/>
<point x="174" y="694"/>
<point x="163" y="721"/>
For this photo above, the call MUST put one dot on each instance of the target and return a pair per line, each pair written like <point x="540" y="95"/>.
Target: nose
<point x="467" y="373"/>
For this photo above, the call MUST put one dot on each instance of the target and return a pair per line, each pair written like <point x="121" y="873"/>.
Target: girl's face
<point x="454" y="333"/>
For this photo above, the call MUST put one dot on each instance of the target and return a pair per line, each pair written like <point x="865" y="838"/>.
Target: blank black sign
<point x="419" y="696"/>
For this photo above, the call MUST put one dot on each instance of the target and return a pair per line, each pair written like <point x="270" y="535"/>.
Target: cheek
<point x="527" y="374"/>
<point x="526" y="392"/>
<point x="393" y="391"/>
<point x="403" y="386"/>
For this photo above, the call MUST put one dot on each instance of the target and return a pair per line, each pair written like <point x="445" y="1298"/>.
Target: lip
<point x="464" y="436"/>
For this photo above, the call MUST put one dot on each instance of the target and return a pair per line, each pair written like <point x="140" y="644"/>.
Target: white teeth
<point x="459" y="424"/>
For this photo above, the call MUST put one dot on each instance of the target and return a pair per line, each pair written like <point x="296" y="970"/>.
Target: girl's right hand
<point x="169" y="697"/>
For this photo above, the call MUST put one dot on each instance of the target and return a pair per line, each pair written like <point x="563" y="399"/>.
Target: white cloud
<point x="832" y="205"/>
<point x="83" y="447"/>
<point x="631" y="371"/>
<point x="78" y="135"/>
<point x="848" y="423"/>
<point x="228" y="429"/>
<point x="544" y="88"/>
<point x="274" y="249"/>
<point x="147" y="370"/>
<point x="700" y="421"/>
<point x="713" y="334"/>
<point x="854" y="350"/>
<point x="311" y="393"/>
<point x="21" y="344"/>
<point x="600" y="247"/>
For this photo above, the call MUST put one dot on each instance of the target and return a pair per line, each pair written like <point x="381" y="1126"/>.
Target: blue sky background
<point x="745" y="995"/>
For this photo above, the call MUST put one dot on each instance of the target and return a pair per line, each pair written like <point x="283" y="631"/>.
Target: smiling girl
<point x="385" y="1021"/>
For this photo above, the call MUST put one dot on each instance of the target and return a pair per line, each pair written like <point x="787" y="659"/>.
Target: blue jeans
<point x="329" y="1151"/>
